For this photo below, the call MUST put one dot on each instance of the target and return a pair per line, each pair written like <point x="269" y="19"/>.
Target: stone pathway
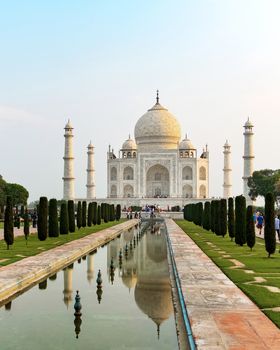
<point x="17" y="232"/>
<point x="14" y="278"/>
<point x="221" y="315"/>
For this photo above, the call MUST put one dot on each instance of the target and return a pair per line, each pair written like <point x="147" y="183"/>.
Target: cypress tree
<point x="206" y="216"/>
<point x="8" y="223"/>
<point x="223" y="217"/>
<point x="53" y="218"/>
<point x="98" y="219"/>
<point x="71" y="216"/>
<point x="217" y="217"/>
<point x="118" y="212"/>
<point x="105" y="212"/>
<point x="94" y="213"/>
<point x="43" y="219"/>
<point x="199" y="213"/>
<point x="112" y="213"/>
<point x="89" y="217"/>
<point x="26" y="225"/>
<point x="79" y="215"/>
<point x="269" y="229"/>
<point x="231" y="221"/>
<point x="250" y="227"/>
<point x="102" y="210"/>
<point x="212" y="220"/>
<point x="185" y="212"/>
<point x="240" y="220"/>
<point x="64" y="225"/>
<point x="84" y="214"/>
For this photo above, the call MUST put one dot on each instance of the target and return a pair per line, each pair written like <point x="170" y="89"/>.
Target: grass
<point x="255" y="260"/>
<point x="19" y="250"/>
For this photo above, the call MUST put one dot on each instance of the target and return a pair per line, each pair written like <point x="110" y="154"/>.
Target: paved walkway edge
<point x="221" y="315"/>
<point x="17" y="277"/>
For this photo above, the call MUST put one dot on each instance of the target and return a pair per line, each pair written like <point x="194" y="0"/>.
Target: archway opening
<point x="157" y="182"/>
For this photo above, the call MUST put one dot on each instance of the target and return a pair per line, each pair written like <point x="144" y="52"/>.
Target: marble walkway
<point x="221" y="315"/>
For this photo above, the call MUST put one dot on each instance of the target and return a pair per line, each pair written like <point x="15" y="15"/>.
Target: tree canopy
<point x="18" y="193"/>
<point x="263" y="182"/>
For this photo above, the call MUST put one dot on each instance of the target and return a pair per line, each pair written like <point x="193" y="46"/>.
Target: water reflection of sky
<point x="132" y="310"/>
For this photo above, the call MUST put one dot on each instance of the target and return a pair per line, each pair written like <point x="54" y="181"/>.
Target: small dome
<point x="248" y="124"/>
<point x="129" y="144"/>
<point x="186" y="144"/>
<point x="68" y="125"/>
<point x="157" y="127"/>
<point x="90" y="145"/>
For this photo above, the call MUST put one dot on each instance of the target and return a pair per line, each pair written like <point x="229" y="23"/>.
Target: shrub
<point x="118" y="212"/>
<point x="240" y="220"/>
<point x="94" y="213"/>
<point x="71" y="216"/>
<point x="64" y="225"/>
<point x="8" y="223"/>
<point x="98" y="220"/>
<point x="53" y="218"/>
<point x="90" y="216"/>
<point x="269" y="229"/>
<point x="207" y="216"/>
<point x="43" y="219"/>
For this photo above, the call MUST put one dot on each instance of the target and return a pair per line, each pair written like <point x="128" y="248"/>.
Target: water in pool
<point x="133" y="309"/>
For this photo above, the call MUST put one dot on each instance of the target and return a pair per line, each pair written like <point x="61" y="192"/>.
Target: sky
<point x="99" y="63"/>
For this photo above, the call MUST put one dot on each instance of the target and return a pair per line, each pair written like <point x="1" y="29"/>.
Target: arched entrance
<point x="157" y="181"/>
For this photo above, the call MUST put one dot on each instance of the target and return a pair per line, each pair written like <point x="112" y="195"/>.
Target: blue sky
<point x="100" y="63"/>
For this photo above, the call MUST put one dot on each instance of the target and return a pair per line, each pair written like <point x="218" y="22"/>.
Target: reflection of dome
<point x="157" y="126"/>
<point x="186" y="144"/>
<point x="156" y="249"/>
<point x="129" y="144"/>
<point x="154" y="300"/>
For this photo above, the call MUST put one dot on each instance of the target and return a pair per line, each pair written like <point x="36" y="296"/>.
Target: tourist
<point x="277" y="224"/>
<point x="260" y="222"/>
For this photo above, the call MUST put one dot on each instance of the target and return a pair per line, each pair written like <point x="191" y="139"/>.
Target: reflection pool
<point x="132" y="310"/>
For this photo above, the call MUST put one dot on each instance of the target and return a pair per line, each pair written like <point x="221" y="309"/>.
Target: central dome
<point x="157" y="128"/>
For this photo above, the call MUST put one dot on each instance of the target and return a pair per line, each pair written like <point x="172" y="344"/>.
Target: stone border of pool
<point x="17" y="277"/>
<point x="221" y="315"/>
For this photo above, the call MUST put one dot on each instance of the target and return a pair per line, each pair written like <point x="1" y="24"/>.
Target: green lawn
<point x="255" y="261"/>
<point x="19" y="250"/>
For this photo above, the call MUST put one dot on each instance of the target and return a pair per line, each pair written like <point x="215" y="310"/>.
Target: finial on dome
<point x="186" y="136"/>
<point x="157" y="97"/>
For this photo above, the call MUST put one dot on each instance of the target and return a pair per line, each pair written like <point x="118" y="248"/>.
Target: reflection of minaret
<point x="90" y="267"/>
<point x="248" y="157"/>
<point x="68" y="179"/>
<point x="68" y="281"/>
<point x="90" y="173"/>
<point x="227" y="171"/>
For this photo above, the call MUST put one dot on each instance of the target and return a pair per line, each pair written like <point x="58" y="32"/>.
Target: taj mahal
<point x="157" y="165"/>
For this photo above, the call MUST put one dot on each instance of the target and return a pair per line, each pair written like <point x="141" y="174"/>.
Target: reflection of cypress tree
<point x="118" y="212"/>
<point x="64" y="226"/>
<point x="53" y="218"/>
<point x="53" y="277"/>
<point x="89" y="217"/>
<point x="240" y="220"/>
<point x="98" y="221"/>
<point x="26" y="225"/>
<point x="8" y="306"/>
<point x="231" y="226"/>
<point x="43" y="219"/>
<point x="8" y="223"/>
<point x="84" y="214"/>
<point x="250" y="227"/>
<point x="43" y="284"/>
<point x="94" y="213"/>
<point x="71" y="216"/>
<point x="269" y="229"/>
<point x="79" y="215"/>
<point x="223" y="217"/>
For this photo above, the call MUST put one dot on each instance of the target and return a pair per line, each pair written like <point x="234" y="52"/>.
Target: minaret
<point x="227" y="185"/>
<point x="248" y="157"/>
<point x="68" y="179"/>
<point x="90" y="173"/>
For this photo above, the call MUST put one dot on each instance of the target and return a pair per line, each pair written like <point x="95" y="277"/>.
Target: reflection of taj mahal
<point x="157" y="163"/>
